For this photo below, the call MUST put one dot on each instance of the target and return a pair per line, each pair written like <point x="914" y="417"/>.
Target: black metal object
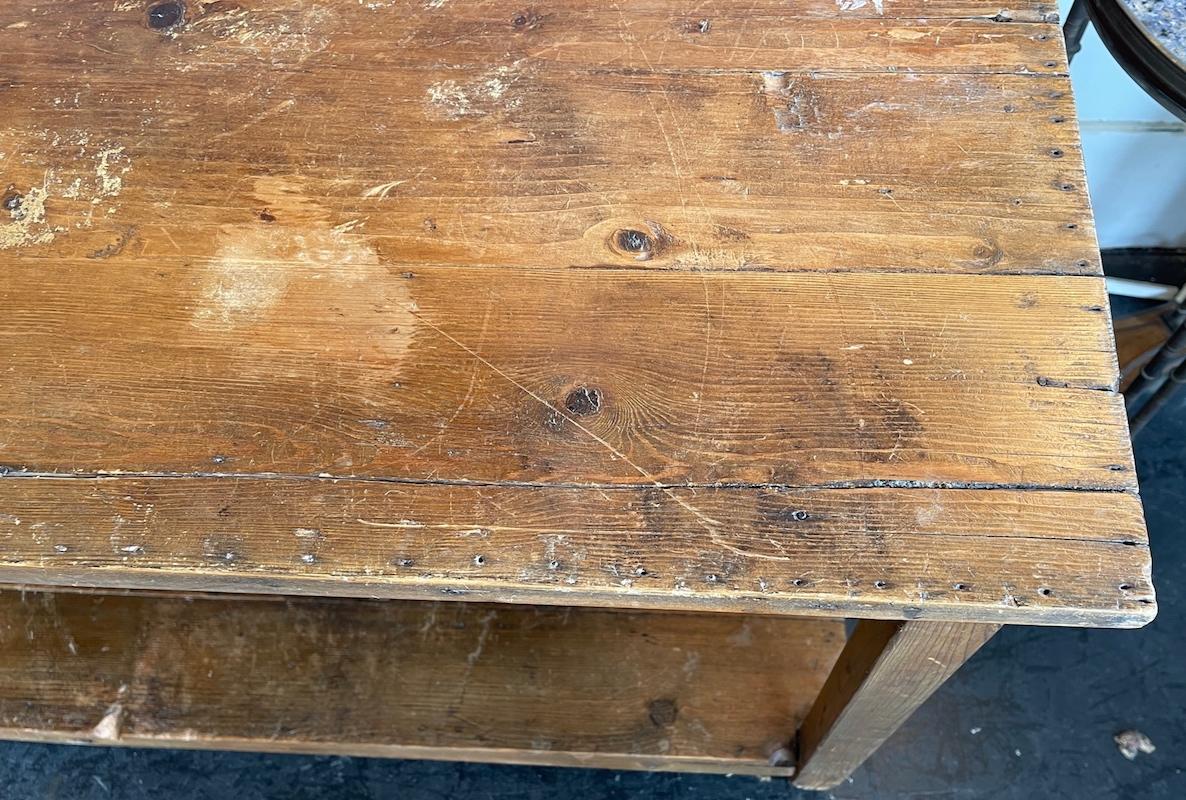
<point x="1163" y="77"/>
<point x="1074" y="27"/>
<point x="1165" y="265"/>
<point x="1168" y="391"/>
<point x="1138" y="52"/>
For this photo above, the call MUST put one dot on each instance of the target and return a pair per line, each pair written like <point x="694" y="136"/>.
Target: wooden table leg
<point x="885" y="672"/>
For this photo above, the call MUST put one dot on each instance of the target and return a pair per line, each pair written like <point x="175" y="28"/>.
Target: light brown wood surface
<point x="629" y="690"/>
<point x="1138" y="338"/>
<point x="886" y="671"/>
<point x="622" y="279"/>
<point x="1008" y="556"/>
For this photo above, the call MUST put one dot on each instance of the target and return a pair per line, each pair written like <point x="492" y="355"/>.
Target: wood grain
<point x="626" y="690"/>
<point x="886" y="671"/>
<point x="1138" y="337"/>
<point x="445" y="136"/>
<point x="349" y="368"/>
<point x="644" y="279"/>
<point x="1062" y="558"/>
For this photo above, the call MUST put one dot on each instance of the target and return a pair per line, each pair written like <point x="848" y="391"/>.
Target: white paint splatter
<point x="477" y="97"/>
<point x="108" y="728"/>
<point x="853" y="5"/>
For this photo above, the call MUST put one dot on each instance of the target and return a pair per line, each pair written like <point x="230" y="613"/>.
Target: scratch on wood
<point x="403" y="523"/>
<point x="383" y="189"/>
<point x="116" y="247"/>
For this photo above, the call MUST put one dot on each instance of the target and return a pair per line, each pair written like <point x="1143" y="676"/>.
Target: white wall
<point x="1135" y="153"/>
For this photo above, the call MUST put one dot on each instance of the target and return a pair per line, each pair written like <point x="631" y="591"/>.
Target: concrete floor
<point x="1031" y="716"/>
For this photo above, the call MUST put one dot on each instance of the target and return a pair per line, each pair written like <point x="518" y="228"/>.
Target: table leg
<point x="885" y="672"/>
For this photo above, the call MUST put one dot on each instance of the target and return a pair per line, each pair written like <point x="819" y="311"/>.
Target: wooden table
<point x="627" y="316"/>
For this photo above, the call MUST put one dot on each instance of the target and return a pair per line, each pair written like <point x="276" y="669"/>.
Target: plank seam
<point x="6" y="472"/>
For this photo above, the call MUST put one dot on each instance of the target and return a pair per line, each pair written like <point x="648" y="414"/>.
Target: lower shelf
<point x="409" y="679"/>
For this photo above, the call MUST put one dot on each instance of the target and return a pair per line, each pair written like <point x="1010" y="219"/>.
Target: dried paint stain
<point x="478" y="97"/>
<point x="279" y="37"/>
<point x="853" y="5"/>
<point x="28" y="221"/>
<point x="264" y="275"/>
<point x="27" y="225"/>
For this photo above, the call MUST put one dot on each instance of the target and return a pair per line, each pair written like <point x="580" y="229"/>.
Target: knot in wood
<point x="165" y="15"/>
<point x="583" y="401"/>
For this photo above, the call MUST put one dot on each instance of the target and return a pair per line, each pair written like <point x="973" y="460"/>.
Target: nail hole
<point x="960" y="587"/>
<point x="1124" y="587"/>
<point x="525" y="20"/>
<point x="165" y="15"/>
<point x="1009" y="109"/>
<point x="798" y="582"/>
<point x="1145" y="601"/>
<point x="405" y="562"/>
<point x="1051" y="64"/>
<point x="1045" y="592"/>
<point x="800" y="515"/>
<point x="1055" y="152"/>
<point x="12" y="202"/>
<point x="1058" y="120"/>
<point x="1070" y="226"/>
<point x="553" y="564"/>
<point x="711" y="577"/>
<point x="641" y="572"/>
<point x="479" y="560"/>
<point x="880" y="585"/>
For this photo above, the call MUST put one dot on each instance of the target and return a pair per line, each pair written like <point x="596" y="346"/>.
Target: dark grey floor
<point x="1031" y="716"/>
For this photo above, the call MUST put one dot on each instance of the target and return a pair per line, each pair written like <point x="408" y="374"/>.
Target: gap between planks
<point x="8" y="472"/>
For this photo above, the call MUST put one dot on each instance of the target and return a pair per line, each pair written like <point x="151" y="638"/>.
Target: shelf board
<point x="409" y="679"/>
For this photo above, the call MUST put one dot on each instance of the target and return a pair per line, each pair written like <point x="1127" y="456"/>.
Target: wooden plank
<point x="1138" y="337"/>
<point x="886" y="671"/>
<point x="644" y="278"/>
<point x="626" y="690"/>
<point x="726" y="157"/>
<point x="909" y="35"/>
<point x="1061" y="558"/>
<point x="299" y="365"/>
<point x="788" y="171"/>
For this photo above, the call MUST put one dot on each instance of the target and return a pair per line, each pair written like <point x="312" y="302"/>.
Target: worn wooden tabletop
<point x="789" y="306"/>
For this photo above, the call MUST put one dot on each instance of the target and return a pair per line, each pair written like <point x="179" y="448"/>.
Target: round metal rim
<point x="1161" y="75"/>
